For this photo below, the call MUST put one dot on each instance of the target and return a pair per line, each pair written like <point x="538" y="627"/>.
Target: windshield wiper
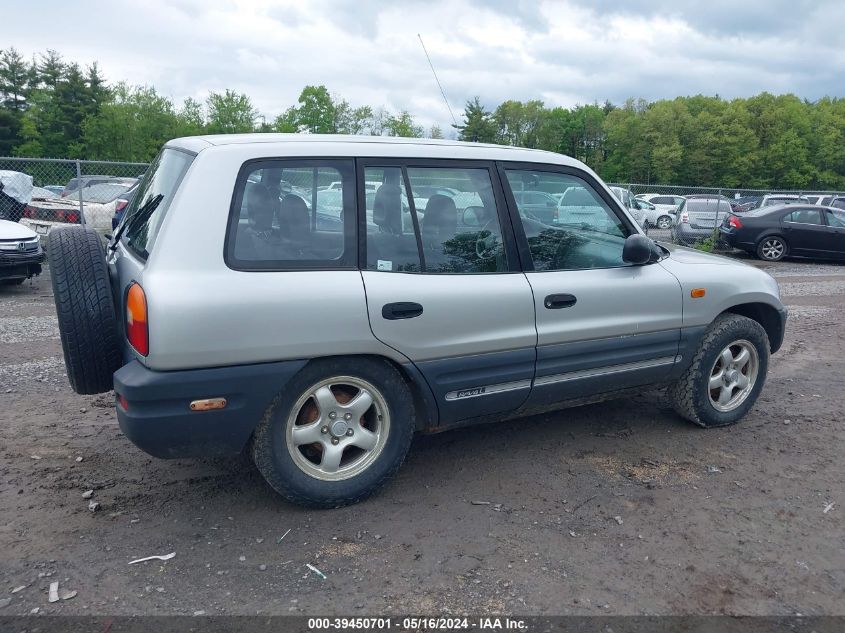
<point x="141" y="215"/>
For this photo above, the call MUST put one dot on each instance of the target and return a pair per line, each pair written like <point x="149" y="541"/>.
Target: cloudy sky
<point x="562" y="52"/>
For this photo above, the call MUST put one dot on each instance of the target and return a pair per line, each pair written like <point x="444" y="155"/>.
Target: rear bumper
<point x="159" y="421"/>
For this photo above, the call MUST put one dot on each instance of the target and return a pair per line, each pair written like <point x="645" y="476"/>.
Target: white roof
<point x="380" y="146"/>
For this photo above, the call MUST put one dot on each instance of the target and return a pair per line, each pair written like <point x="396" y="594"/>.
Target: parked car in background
<point x="699" y="217"/>
<point x="664" y="208"/>
<point x="540" y="204"/>
<point x="630" y="202"/>
<point x="744" y="203"/>
<point x="774" y="232"/>
<point x="99" y="203"/>
<point x="42" y="193"/>
<point x="74" y="184"/>
<point x="15" y="193"/>
<point x="776" y="199"/>
<point x="837" y="202"/>
<point x="122" y="204"/>
<point x="20" y="253"/>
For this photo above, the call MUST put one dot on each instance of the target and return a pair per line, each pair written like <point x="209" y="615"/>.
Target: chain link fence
<point x="45" y="193"/>
<point x="691" y="216"/>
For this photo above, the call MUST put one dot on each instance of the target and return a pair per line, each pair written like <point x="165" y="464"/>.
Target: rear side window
<point x="293" y="214"/>
<point x="804" y="216"/>
<point x="435" y="220"/>
<point x="144" y="217"/>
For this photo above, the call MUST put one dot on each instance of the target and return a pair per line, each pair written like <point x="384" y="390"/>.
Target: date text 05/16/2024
<point x="417" y="624"/>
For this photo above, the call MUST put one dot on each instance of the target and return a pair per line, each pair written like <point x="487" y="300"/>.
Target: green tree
<point x="190" y="120"/>
<point x="15" y="80"/>
<point x="132" y="127"/>
<point x="230" y="113"/>
<point x="349" y="120"/>
<point x="49" y="69"/>
<point x="435" y="132"/>
<point x="478" y="125"/>
<point x="316" y="113"/>
<point x="403" y="125"/>
<point x="519" y="123"/>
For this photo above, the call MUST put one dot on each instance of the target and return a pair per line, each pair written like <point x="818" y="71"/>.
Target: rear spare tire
<point x="85" y="309"/>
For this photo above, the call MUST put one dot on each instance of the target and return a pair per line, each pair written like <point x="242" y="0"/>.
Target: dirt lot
<point x="722" y="521"/>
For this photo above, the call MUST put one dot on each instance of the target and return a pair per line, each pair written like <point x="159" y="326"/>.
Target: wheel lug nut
<point x="348" y="416"/>
<point x="350" y="432"/>
<point x="332" y="415"/>
<point x="335" y="440"/>
<point x="325" y="429"/>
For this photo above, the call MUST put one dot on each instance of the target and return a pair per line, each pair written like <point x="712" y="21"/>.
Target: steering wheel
<point x="487" y="242"/>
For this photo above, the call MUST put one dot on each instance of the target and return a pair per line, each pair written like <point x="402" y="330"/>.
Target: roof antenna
<point x="452" y="114"/>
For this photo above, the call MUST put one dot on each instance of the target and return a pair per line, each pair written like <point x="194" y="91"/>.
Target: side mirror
<point x="638" y="250"/>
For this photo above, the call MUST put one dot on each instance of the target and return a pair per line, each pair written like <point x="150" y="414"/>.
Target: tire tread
<point x="84" y="308"/>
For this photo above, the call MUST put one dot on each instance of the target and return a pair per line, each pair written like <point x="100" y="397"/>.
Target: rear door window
<point x="293" y="214"/>
<point x="144" y="217"/>
<point x="435" y="220"/>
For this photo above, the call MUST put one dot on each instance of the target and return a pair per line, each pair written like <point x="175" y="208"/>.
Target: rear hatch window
<point x="705" y="213"/>
<point x="144" y="217"/>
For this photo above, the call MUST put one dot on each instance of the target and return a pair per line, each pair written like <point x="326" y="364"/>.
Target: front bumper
<point x="14" y="265"/>
<point x="159" y="421"/>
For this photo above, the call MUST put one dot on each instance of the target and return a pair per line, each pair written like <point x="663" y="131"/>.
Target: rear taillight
<point x="28" y="212"/>
<point x="734" y="222"/>
<point x="121" y="205"/>
<point x="685" y="218"/>
<point x="137" y="331"/>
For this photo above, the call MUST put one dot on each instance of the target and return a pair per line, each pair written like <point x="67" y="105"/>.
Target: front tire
<point x="772" y="248"/>
<point x="727" y="373"/>
<point x="336" y="433"/>
<point x="664" y="222"/>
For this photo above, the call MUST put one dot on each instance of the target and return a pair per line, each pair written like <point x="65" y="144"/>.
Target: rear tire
<point x="664" y="222"/>
<point x="85" y="309"/>
<point x="696" y="394"/>
<point x="306" y="425"/>
<point x="772" y="248"/>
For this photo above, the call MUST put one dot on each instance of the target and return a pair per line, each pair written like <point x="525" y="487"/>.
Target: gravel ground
<point x="617" y="508"/>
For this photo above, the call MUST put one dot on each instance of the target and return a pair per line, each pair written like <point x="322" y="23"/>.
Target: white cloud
<point x="368" y="52"/>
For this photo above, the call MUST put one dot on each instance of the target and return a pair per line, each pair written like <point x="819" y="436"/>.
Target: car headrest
<point x="440" y="221"/>
<point x="293" y="217"/>
<point x="261" y="206"/>
<point x="387" y="208"/>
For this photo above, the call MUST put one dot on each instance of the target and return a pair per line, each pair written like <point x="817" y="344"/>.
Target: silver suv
<point x="236" y="308"/>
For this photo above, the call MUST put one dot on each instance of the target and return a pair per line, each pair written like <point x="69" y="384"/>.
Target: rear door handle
<point x="556" y="302"/>
<point x="401" y="310"/>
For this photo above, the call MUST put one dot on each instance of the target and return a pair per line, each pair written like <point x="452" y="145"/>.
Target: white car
<point x="630" y="202"/>
<point x="664" y="207"/>
<point x="774" y="199"/>
<point x="100" y="202"/>
<point x="20" y="253"/>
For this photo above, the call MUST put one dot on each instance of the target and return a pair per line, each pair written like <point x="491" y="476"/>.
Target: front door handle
<point x="401" y="310"/>
<point x="556" y="302"/>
